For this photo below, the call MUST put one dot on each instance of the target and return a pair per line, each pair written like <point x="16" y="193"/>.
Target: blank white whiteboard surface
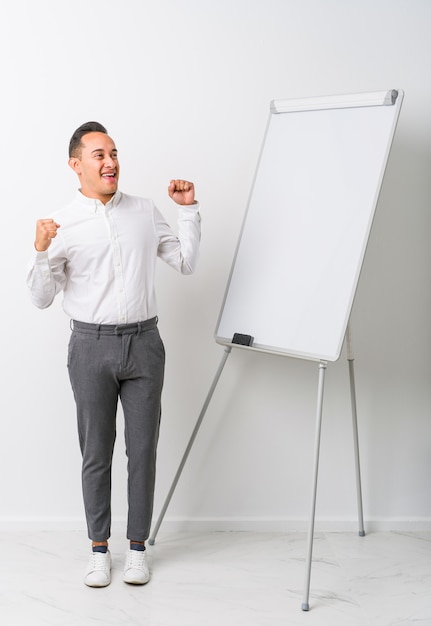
<point x="307" y="224"/>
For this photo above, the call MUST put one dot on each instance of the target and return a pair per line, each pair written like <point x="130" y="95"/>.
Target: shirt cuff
<point x="190" y="210"/>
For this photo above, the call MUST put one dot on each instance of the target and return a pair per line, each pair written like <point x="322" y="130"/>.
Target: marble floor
<point x="221" y="579"/>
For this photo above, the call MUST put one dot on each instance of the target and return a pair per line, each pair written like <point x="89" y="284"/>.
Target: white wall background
<point x="184" y="88"/>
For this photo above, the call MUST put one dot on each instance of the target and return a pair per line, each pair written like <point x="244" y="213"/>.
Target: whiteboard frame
<point x="392" y="98"/>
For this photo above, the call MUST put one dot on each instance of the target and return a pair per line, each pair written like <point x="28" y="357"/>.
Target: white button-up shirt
<point x="104" y="258"/>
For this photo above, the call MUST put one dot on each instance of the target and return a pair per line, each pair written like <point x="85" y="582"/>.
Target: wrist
<point x="40" y="248"/>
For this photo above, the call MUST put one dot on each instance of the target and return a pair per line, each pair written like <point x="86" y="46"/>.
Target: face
<point x="97" y="167"/>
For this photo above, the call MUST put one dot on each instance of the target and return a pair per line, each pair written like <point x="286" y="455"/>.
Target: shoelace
<point x="99" y="561"/>
<point x="136" y="558"/>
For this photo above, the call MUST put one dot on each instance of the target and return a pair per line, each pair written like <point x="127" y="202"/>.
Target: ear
<point x="75" y="164"/>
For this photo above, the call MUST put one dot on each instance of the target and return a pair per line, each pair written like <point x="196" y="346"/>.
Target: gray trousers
<point x="107" y="363"/>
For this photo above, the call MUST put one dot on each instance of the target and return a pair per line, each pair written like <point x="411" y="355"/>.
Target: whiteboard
<point x="307" y="223"/>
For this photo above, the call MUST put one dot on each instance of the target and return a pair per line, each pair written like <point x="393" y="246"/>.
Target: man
<point x="101" y="251"/>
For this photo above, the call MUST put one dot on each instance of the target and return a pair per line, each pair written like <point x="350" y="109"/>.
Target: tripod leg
<point x="350" y="360"/>
<point x="322" y="368"/>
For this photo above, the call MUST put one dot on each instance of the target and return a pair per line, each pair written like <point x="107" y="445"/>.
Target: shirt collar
<point x="94" y="205"/>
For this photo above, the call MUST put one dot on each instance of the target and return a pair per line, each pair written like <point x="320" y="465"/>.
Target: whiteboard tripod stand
<point x="303" y="241"/>
<point x="319" y="410"/>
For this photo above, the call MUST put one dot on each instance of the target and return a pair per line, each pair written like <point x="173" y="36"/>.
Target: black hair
<point x="75" y="143"/>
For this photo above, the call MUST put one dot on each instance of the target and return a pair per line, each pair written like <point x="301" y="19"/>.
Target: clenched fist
<point x="182" y="191"/>
<point x="46" y="230"/>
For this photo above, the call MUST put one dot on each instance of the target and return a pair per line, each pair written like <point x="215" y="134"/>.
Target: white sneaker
<point x="98" y="572"/>
<point x="136" y="571"/>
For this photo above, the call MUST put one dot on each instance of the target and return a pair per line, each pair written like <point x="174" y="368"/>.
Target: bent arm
<point x="180" y="251"/>
<point x="45" y="279"/>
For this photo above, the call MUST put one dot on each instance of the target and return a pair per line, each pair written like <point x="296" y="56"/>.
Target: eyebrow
<point x="114" y="151"/>
<point x="102" y="150"/>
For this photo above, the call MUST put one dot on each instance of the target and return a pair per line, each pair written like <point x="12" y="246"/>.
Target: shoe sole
<point x="132" y="581"/>
<point x="96" y="585"/>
